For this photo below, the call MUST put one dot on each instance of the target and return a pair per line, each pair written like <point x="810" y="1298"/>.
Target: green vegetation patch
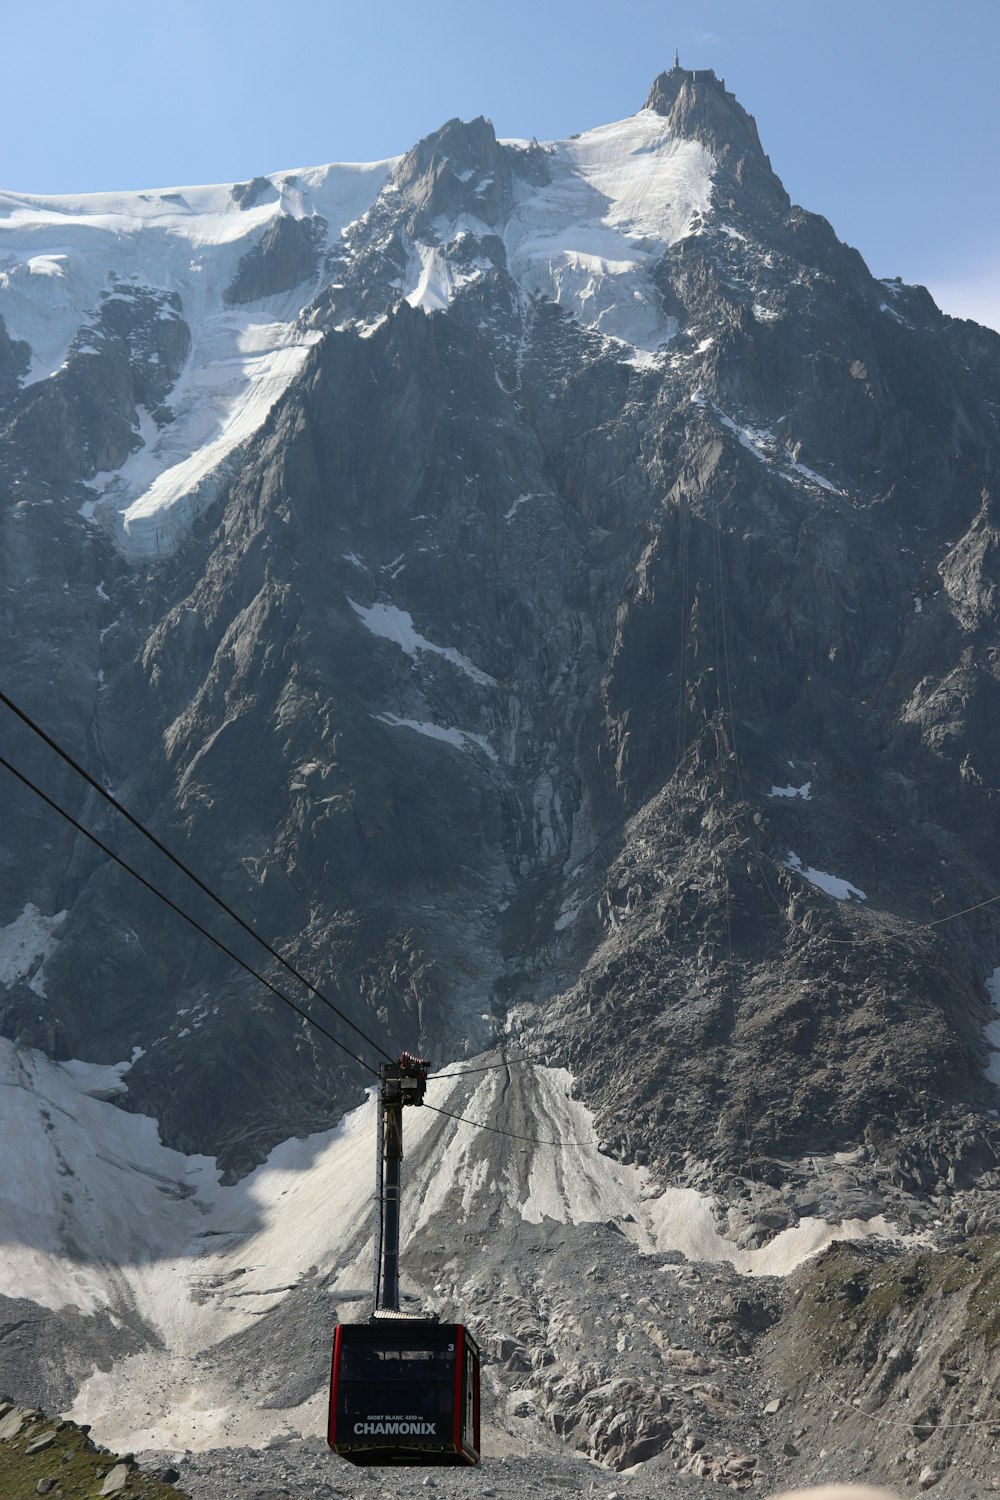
<point x="65" y="1464"/>
<point x="983" y="1312"/>
<point x="851" y="1291"/>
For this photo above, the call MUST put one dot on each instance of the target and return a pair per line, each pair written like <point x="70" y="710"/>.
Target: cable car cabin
<point x="405" y="1392"/>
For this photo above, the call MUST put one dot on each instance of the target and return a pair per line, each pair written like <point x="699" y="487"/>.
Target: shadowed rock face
<point x="490" y="685"/>
<point x="84" y="417"/>
<point x="464" y="168"/>
<point x="14" y="359"/>
<point x="287" y="253"/>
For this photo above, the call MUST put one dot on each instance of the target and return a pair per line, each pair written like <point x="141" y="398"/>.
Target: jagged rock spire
<point x="699" y="107"/>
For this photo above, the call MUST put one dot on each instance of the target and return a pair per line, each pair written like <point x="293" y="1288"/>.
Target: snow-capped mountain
<point x="199" y="291"/>
<point x="234" y="273"/>
<point x="549" y="590"/>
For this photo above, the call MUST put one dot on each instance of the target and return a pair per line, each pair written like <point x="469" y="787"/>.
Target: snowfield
<point x="59" y="254"/>
<point x="619" y="196"/>
<point x="101" y="1215"/>
<point x="588" y="239"/>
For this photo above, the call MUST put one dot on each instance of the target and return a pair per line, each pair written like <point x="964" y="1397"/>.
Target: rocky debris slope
<point x="623" y="1359"/>
<point x="307" y="1471"/>
<point x="47" y="1355"/>
<point x="893" y="1358"/>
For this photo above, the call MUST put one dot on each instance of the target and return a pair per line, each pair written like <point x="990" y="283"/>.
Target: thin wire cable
<point x="248" y="968"/>
<point x="776" y="899"/>
<point x="179" y="863"/>
<point x="736" y="762"/>
<point x="512" y="1135"/>
<point x="192" y="922"/>
<point x="872" y="1416"/>
<point x="906" y="935"/>
<point x="952" y="915"/>
<point x="489" y="1067"/>
<point x="682" y="748"/>
<point x="50" y="802"/>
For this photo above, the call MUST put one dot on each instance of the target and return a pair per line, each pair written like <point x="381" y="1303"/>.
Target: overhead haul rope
<point x="50" y="802"/>
<point x="508" y="1062"/>
<point x="682" y="749"/>
<point x="249" y="969"/>
<point x="204" y="931"/>
<point x="952" y="915"/>
<point x="685" y="639"/>
<point x="512" y="1135"/>
<point x="179" y="863"/>
<point x="844" y="1400"/>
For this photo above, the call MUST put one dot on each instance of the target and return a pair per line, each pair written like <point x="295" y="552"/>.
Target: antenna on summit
<point x="677" y="57"/>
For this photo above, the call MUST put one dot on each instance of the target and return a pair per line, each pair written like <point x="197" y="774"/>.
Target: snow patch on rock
<point x="436" y="279"/>
<point x="25" y="943"/>
<point x="460" y="738"/>
<point x="396" y="625"/>
<point x="804" y="791"/>
<point x="833" y="885"/>
<point x="588" y="239"/>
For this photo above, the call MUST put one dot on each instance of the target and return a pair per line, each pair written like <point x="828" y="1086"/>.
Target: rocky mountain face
<point x="551" y="592"/>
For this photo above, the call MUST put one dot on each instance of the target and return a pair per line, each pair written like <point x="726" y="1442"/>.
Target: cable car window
<point x="361" y="1363"/>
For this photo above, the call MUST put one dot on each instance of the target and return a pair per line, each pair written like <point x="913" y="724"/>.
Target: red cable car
<point x="403" y="1390"/>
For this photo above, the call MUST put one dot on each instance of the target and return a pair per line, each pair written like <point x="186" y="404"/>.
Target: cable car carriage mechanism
<point x="403" y="1390"/>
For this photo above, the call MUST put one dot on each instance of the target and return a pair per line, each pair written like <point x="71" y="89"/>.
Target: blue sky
<point x="882" y="115"/>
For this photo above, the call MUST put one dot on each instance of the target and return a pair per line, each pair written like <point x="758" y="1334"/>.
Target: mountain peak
<point x="668" y="85"/>
<point x="699" y="106"/>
